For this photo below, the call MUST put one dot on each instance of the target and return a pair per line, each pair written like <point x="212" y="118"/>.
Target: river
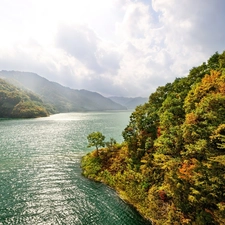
<point x="40" y="175"/>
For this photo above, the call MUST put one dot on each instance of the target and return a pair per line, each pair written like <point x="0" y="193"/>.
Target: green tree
<point x="96" y="139"/>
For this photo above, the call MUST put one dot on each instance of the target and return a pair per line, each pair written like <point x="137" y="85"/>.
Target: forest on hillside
<point x="172" y="162"/>
<point x="17" y="103"/>
<point x="58" y="98"/>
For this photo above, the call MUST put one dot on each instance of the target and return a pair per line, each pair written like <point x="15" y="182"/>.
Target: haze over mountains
<point x="18" y="103"/>
<point x="129" y="103"/>
<point x="64" y="99"/>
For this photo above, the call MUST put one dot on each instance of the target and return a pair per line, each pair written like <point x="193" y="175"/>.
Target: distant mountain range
<point x="129" y="103"/>
<point x="58" y="98"/>
<point x="62" y="99"/>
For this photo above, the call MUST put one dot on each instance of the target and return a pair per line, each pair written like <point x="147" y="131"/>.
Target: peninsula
<point x="172" y="162"/>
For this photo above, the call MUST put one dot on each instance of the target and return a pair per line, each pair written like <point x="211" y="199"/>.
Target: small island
<point x="171" y="164"/>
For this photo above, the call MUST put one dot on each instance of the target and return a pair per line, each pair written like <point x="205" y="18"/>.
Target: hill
<point x="63" y="99"/>
<point x="171" y="165"/>
<point x="129" y="103"/>
<point x="17" y="103"/>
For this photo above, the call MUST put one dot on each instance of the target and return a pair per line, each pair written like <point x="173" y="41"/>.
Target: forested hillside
<point x="62" y="99"/>
<point x="171" y="165"/>
<point x="16" y="103"/>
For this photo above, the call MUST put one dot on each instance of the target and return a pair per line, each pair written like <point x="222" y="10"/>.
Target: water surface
<point x="40" y="175"/>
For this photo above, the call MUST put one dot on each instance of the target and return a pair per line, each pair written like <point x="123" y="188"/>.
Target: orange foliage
<point x="211" y="78"/>
<point x="214" y="79"/>
<point x="186" y="170"/>
<point x="158" y="132"/>
<point x="191" y="118"/>
<point x="222" y="87"/>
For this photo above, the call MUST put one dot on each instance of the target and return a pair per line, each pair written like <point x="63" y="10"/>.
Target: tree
<point x="96" y="139"/>
<point x="110" y="144"/>
<point x="171" y="165"/>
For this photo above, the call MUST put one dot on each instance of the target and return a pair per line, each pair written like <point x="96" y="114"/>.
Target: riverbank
<point x="110" y="166"/>
<point x="172" y="169"/>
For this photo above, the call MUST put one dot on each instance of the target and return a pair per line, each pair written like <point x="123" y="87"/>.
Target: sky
<point x="114" y="47"/>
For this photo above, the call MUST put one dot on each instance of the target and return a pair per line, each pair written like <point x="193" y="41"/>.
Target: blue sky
<point x="114" y="47"/>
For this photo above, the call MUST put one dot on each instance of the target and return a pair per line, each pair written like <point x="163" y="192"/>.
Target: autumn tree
<point x="173" y="159"/>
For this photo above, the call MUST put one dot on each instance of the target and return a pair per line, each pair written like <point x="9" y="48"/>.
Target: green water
<point x="40" y="175"/>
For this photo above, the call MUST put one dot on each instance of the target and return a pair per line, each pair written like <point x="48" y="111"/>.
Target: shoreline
<point x="99" y="178"/>
<point x="121" y="194"/>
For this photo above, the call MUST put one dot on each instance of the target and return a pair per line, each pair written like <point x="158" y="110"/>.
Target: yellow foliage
<point x="191" y="198"/>
<point x="191" y="118"/>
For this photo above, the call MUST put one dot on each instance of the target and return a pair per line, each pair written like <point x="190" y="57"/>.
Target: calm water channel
<point x="40" y="175"/>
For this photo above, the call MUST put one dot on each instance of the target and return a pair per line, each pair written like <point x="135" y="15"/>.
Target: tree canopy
<point x="172" y="163"/>
<point x="96" y="139"/>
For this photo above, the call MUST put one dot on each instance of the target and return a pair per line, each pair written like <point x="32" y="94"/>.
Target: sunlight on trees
<point x="171" y="165"/>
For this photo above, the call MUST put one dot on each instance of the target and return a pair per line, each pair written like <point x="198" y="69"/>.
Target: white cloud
<point x="136" y="21"/>
<point x="125" y="47"/>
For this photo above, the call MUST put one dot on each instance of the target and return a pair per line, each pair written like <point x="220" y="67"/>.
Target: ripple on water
<point x="40" y="175"/>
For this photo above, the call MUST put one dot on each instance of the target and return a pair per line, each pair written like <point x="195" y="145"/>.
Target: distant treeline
<point x="17" y="103"/>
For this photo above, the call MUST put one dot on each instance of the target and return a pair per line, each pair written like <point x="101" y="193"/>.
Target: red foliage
<point x="163" y="195"/>
<point x="158" y="132"/>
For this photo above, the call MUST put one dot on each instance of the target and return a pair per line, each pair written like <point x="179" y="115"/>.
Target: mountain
<point x="130" y="103"/>
<point x="63" y="99"/>
<point x="17" y="103"/>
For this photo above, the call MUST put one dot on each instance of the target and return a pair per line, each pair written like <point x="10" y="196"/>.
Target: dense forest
<point x="171" y="166"/>
<point x="17" y="103"/>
